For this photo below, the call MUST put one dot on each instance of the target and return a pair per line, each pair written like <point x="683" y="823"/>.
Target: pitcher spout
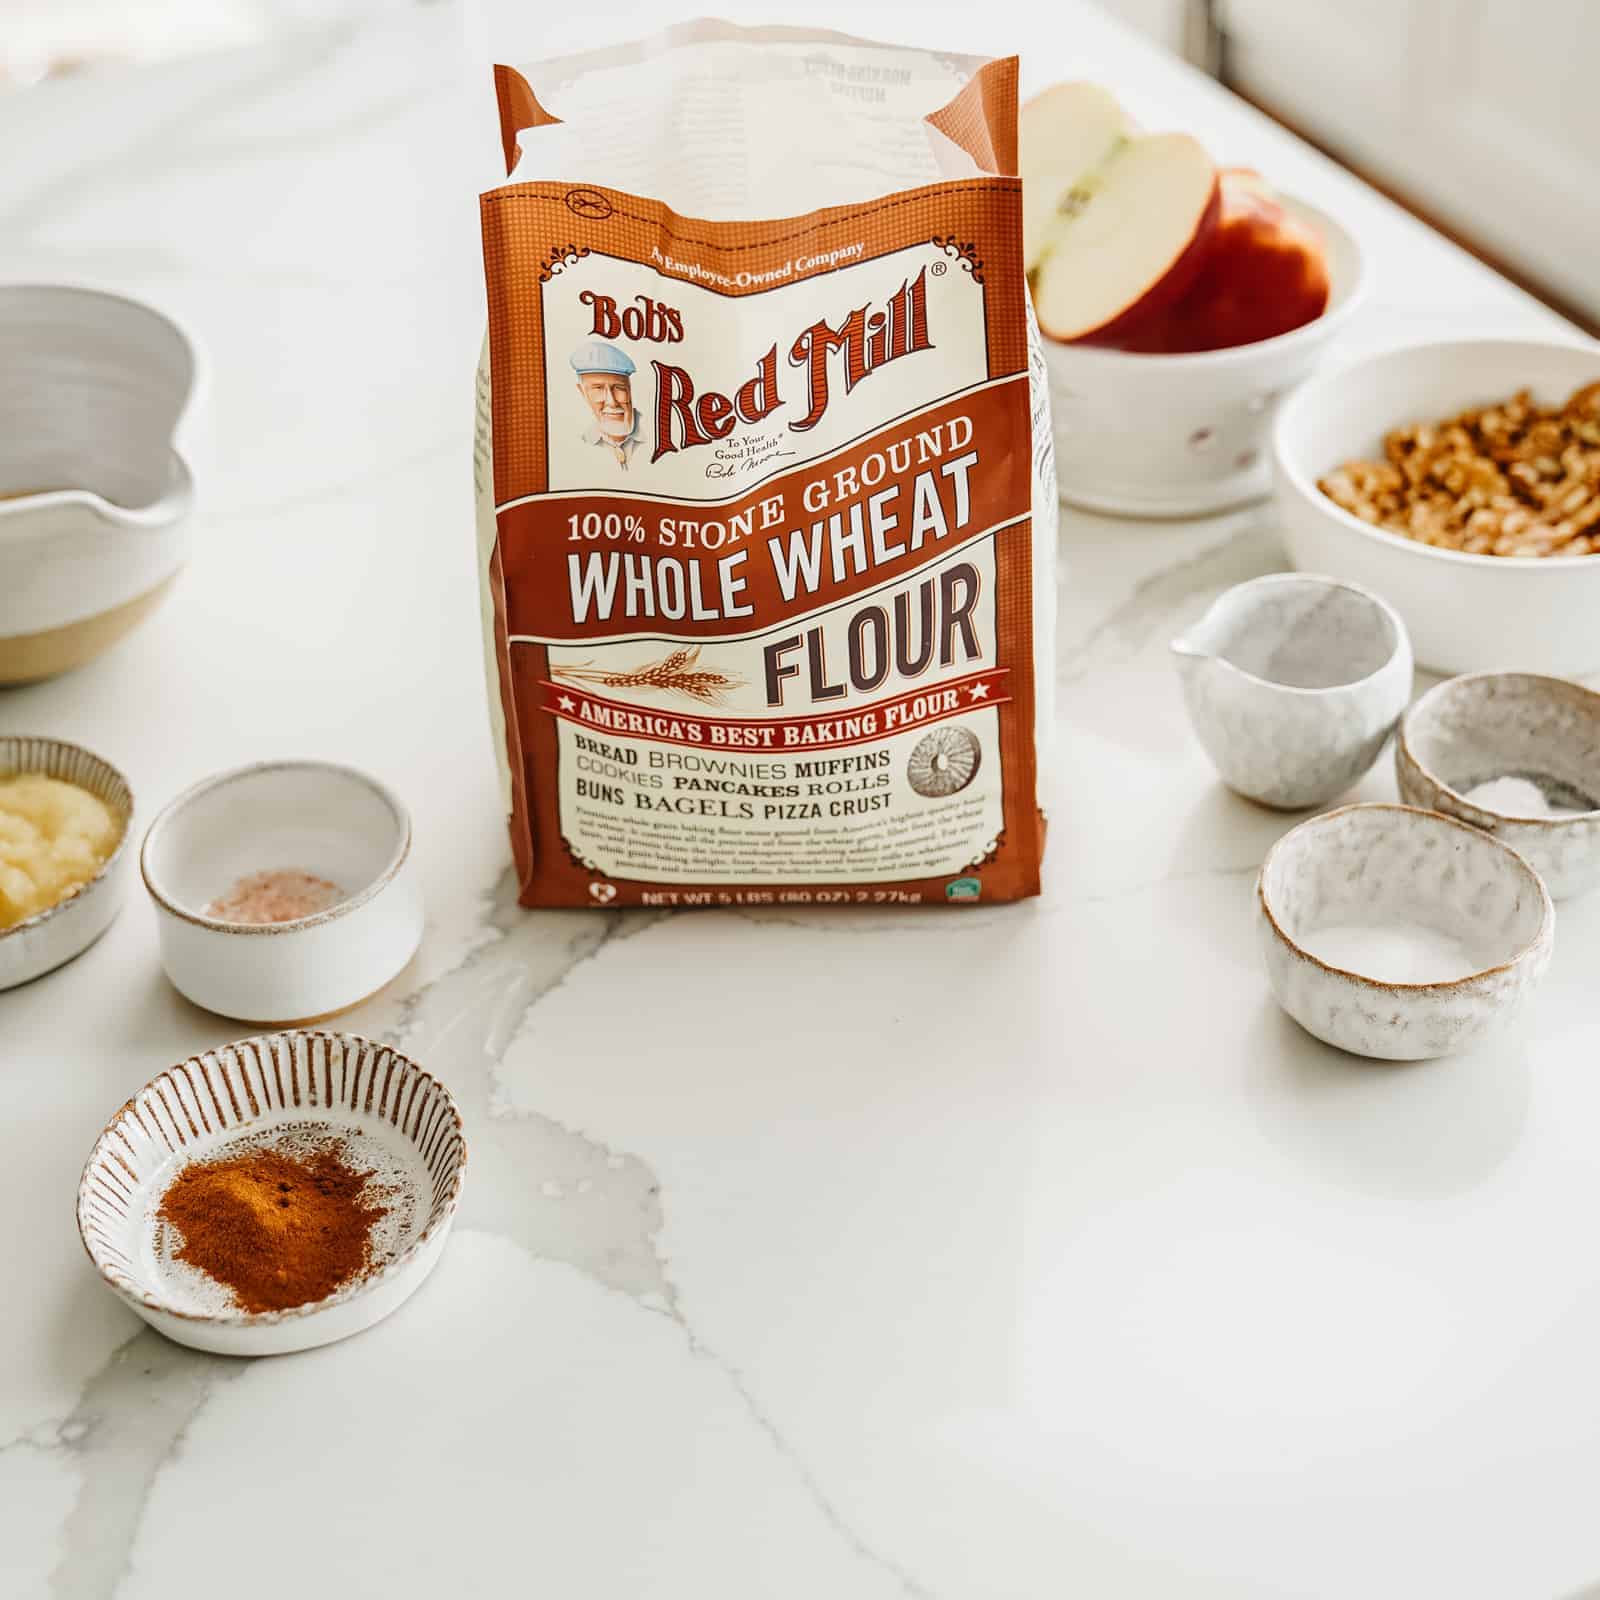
<point x="1204" y="638"/>
<point x="1197" y="643"/>
<point x="162" y="503"/>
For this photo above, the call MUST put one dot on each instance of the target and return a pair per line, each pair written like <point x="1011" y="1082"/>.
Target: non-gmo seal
<point x="963" y="889"/>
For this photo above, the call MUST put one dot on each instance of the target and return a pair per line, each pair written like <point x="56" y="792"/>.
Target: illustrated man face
<point x="610" y="396"/>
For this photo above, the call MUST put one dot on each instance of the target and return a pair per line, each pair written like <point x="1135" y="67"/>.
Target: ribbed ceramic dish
<point x="54" y="936"/>
<point x="399" y="1119"/>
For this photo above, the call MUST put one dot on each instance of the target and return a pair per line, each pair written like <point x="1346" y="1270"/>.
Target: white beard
<point x="615" y="427"/>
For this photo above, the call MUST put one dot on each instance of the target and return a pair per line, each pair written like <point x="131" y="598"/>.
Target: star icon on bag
<point x="567" y="703"/>
<point x="979" y="691"/>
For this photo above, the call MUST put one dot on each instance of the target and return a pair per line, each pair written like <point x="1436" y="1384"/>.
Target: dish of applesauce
<point x="54" y="838"/>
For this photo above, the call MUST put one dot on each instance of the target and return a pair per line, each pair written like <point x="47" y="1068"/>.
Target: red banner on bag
<point x="900" y="714"/>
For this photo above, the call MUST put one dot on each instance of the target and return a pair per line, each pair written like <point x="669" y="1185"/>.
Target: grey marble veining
<point x="800" y="1254"/>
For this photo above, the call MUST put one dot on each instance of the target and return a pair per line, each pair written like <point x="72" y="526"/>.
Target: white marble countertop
<point x="1024" y="1252"/>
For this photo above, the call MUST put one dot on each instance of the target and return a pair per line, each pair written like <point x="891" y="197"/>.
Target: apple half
<point x="1062" y="133"/>
<point x="1126" y="239"/>
<point x="1266" y="274"/>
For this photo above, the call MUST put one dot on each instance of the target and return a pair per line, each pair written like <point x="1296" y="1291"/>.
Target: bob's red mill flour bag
<point x="767" y="506"/>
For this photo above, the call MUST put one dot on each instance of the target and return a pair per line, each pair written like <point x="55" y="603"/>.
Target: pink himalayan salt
<point x="284" y="895"/>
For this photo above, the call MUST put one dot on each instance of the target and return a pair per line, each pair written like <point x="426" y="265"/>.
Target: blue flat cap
<point x="595" y="355"/>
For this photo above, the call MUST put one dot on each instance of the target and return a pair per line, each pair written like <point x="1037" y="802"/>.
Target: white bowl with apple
<point x="1178" y="301"/>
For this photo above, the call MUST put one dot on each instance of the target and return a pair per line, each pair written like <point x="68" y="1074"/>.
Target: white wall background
<point x="1486" y="112"/>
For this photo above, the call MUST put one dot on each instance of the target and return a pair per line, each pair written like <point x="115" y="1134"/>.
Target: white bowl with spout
<point x="95" y="491"/>
<point x="1293" y="682"/>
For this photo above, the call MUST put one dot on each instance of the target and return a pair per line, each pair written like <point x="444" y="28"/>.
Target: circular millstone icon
<point x="943" y="762"/>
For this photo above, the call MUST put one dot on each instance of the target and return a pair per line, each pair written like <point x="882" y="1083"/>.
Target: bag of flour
<point x="766" y="500"/>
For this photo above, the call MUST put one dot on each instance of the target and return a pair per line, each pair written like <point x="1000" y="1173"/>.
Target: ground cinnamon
<point x="278" y="1229"/>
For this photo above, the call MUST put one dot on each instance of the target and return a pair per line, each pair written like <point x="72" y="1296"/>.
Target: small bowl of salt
<point x="1401" y="934"/>
<point x="284" y="892"/>
<point x="1518" y="756"/>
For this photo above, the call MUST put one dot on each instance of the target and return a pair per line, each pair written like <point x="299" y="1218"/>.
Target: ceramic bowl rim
<point x="179" y="497"/>
<point x="1308" y="490"/>
<point x="1320" y="327"/>
<point x="176" y="502"/>
<point x="1403" y="750"/>
<point x="1402" y="638"/>
<point x="233" y="1318"/>
<point x="1541" y="934"/>
<point x="342" y="908"/>
<point x="29" y="923"/>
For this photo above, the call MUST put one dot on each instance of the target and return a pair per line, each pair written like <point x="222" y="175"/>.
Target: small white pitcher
<point x="1293" y="682"/>
<point x="94" y="494"/>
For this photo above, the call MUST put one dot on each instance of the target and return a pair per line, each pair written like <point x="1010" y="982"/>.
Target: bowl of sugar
<point x="1517" y="755"/>
<point x="1401" y="934"/>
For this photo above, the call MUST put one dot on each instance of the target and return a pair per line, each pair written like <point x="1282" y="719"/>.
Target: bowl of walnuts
<point x="1461" y="481"/>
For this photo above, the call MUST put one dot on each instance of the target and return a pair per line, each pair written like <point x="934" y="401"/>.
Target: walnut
<point x="1509" y="479"/>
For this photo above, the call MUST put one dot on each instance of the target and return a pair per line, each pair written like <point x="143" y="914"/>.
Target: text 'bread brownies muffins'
<point x="766" y="498"/>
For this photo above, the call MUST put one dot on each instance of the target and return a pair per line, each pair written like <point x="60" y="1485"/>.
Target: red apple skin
<point x="1248" y="178"/>
<point x="1266" y="275"/>
<point x="1167" y="290"/>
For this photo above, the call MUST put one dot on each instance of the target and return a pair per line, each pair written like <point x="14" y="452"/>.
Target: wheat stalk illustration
<point x="676" y="673"/>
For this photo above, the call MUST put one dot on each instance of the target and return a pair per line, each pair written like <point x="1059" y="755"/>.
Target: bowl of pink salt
<point x="284" y="892"/>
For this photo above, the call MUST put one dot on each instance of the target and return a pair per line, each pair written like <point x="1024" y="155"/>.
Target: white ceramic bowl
<point x="1293" y="682"/>
<point x="1543" y="734"/>
<point x="312" y="816"/>
<point x="95" y="491"/>
<point x="401" y="1121"/>
<point x="1466" y="613"/>
<point x="55" y="936"/>
<point x="1401" y="934"/>
<point x="1168" y="436"/>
